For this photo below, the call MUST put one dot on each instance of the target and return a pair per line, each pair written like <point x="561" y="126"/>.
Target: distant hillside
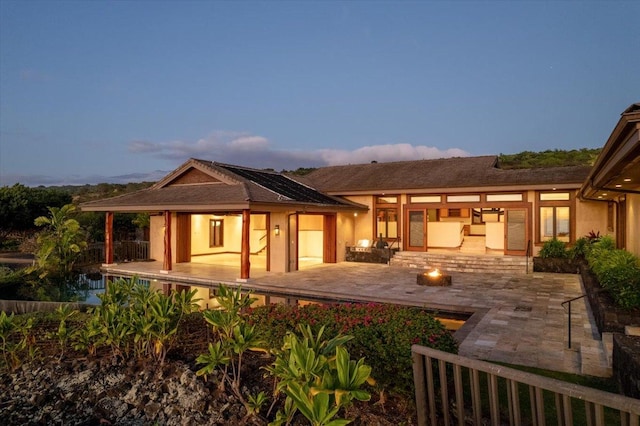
<point x="84" y="193"/>
<point x="549" y="158"/>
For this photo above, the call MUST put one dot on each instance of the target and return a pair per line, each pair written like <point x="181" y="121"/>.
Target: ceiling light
<point x="626" y="180"/>
<point x="618" y="186"/>
<point x="599" y="196"/>
<point x="604" y="194"/>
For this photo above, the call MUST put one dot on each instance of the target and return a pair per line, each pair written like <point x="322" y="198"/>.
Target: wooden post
<point x="166" y="266"/>
<point x="245" y="263"/>
<point x="108" y="239"/>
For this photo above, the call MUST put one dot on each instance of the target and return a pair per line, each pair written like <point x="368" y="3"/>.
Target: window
<point x="387" y="222"/>
<point x="455" y="213"/>
<point x="463" y="198"/>
<point x="555" y="196"/>
<point x="426" y="199"/>
<point x="216" y="233"/>
<point x="387" y="199"/>
<point x="555" y="222"/>
<point x="387" y="216"/>
<point x="504" y="197"/>
<point x="554" y="216"/>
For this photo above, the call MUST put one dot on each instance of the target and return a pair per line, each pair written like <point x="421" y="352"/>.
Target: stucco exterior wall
<point x="364" y="221"/>
<point x="345" y="234"/>
<point x="156" y="237"/>
<point x="278" y="243"/>
<point x="591" y="216"/>
<point x="633" y="224"/>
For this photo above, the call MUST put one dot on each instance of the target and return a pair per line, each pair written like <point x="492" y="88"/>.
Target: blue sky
<point x="117" y="91"/>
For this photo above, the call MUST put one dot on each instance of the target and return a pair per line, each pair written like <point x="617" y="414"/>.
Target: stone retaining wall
<point x="608" y="316"/>
<point x="611" y="318"/>
<point x="626" y="364"/>
<point x="28" y="306"/>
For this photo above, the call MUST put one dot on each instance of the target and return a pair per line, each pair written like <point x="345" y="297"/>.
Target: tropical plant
<point x="255" y="403"/>
<point x="60" y="244"/>
<point x="553" y="249"/>
<point x="234" y="337"/>
<point x="134" y="319"/>
<point x="13" y="346"/>
<point x="318" y="377"/>
<point x="580" y="248"/>
<point x="62" y="334"/>
<point x="7" y="326"/>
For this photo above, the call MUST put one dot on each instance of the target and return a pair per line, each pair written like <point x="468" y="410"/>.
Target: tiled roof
<point x="460" y="172"/>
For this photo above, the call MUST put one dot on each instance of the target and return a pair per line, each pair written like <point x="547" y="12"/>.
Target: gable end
<point x="193" y="177"/>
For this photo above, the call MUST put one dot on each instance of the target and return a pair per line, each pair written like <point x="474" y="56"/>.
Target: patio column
<point x="245" y="263"/>
<point x="166" y="266"/>
<point x="108" y="238"/>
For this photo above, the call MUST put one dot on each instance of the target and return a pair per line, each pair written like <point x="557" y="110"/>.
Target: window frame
<point x="568" y="203"/>
<point x="387" y="207"/>
<point x="216" y="239"/>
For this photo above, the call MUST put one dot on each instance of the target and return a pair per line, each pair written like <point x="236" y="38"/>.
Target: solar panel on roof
<point x="283" y="185"/>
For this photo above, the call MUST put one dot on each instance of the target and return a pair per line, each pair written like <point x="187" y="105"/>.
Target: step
<point x="594" y="360"/>
<point x="457" y="262"/>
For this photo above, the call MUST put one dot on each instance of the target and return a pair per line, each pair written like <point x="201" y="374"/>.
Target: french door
<point x="516" y="235"/>
<point x="416" y="239"/>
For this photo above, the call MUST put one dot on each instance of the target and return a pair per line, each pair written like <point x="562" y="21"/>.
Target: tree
<point x="60" y="244"/>
<point x="20" y="205"/>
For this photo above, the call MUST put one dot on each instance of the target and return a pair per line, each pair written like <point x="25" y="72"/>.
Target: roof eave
<point x="622" y="144"/>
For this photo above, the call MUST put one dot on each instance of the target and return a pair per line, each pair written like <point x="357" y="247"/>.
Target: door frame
<point x="329" y="238"/>
<point x="407" y="230"/>
<point x="527" y="230"/>
<point x="292" y="242"/>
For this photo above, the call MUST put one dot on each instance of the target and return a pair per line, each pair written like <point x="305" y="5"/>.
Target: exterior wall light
<point x="276" y="230"/>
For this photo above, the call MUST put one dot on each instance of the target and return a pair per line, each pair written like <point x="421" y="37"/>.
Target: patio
<point x="516" y="318"/>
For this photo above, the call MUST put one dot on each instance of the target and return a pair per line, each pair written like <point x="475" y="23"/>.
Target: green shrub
<point x="619" y="272"/>
<point x="381" y="333"/>
<point x="553" y="249"/>
<point x="600" y="248"/>
<point x="580" y="248"/>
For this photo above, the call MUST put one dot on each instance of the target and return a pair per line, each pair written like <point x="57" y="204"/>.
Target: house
<point x="615" y="180"/>
<point x="216" y="213"/>
<point x="211" y="212"/>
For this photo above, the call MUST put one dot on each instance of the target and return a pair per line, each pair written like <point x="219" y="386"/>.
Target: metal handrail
<point x="568" y="301"/>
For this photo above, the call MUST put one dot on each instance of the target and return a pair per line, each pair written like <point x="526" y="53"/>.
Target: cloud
<point x="143" y="147"/>
<point x="244" y="149"/>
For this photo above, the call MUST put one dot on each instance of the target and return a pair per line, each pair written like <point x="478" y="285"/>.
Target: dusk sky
<point x="119" y="91"/>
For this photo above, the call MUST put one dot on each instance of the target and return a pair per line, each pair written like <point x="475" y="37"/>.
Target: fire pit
<point x="434" y="278"/>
